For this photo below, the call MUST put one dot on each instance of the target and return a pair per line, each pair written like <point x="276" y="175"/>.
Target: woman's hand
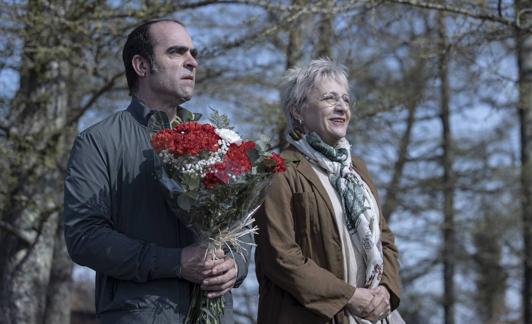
<point x="370" y="304"/>
<point x="379" y="306"/>
<point x="360" y="301"/>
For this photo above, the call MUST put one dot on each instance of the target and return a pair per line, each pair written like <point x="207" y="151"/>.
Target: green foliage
<point x="157" y="122"/>
<point x="219" y="120"/>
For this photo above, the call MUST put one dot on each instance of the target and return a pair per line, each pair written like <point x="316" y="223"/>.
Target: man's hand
<point x="221" y="279"/>
<point x="197" y="264"/>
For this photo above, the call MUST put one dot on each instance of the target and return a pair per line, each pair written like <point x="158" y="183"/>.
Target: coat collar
<point x="139" y="111"/>
<point x="142" y="113"/>
<point x="305" y="169"/>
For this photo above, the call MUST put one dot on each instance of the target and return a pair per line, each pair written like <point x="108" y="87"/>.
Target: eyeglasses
<point x="332" y="99"/>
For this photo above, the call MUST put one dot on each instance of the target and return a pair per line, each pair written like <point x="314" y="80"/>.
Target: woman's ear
<point x="296" y="114"/>
<point x="140" y="65"/>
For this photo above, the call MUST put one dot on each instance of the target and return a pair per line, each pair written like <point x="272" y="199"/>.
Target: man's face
<point x="173" y="73"/>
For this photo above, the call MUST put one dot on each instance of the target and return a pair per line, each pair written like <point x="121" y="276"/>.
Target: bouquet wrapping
<point x="214" y="181"/>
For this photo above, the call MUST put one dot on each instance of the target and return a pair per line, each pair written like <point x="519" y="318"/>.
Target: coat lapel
<point x="305" y="169"/>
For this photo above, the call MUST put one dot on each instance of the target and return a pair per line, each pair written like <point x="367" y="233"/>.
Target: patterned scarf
<point x="361" y="220"/>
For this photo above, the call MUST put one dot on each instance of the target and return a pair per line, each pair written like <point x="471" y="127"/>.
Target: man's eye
<point x="347" y="99"/>
<point x="194" y="52"/>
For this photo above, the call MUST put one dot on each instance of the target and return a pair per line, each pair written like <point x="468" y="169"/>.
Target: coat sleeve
<point x="283" y="262"/>
<point x="89" y="233"/>
<point x="390" y="278"/>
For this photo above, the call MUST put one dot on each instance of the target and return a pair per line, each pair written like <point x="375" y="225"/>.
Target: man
<point x="116" y="218"/>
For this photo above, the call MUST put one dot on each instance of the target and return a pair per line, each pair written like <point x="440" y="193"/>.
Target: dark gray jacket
<point x="118" y="223"/>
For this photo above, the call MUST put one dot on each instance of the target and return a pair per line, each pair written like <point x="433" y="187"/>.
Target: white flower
<point x="229" y="136"/>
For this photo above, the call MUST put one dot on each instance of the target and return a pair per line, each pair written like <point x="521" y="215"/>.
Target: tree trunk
<point x="294" y="55"/>
<point x="448" y="176"/>
<point x="29" y="223"/>
<point x="325" y="34"/>
<point x="524" y="64"/>
<point x="491" y="275"/>
<point x="58" y="298"/>
<point x="294" y="50"/>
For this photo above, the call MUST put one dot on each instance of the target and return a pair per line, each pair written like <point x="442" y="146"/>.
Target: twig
<point x="106" y="87"/>
<point x="460" y="11"/>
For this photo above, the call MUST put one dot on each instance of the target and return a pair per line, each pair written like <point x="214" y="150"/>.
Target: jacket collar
<point x="305" y="169"/>
<point x="142" y="113"/>
<point x="139" y="111"/>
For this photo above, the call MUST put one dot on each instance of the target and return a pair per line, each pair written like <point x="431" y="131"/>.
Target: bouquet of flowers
<point x="215" y="181"/>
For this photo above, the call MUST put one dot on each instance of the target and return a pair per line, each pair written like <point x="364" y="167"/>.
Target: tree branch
<point x="460" y="11"/>
<point x="421" y="269"/>
<point x="106" y="87"/>
<point x="11" y="229"/>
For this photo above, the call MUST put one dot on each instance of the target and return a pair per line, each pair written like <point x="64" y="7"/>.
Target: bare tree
<point x="448" y="230"/>
<point x="524" y="108"/>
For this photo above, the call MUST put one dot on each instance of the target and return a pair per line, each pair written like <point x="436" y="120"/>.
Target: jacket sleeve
<point x="282" y="261"/>
<point x="90" y="235"/>
<point x="242" y="259"/>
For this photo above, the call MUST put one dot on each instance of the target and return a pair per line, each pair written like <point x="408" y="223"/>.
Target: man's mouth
<point x="188" y="77"/>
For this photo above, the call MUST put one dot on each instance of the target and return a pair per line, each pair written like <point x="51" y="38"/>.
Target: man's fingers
<point x="217" y="294"/>
<point x="221" y="279"/>
<point x="227" y="264"/>
<point x="219" y="253"/>
<point x="209" y="264"/>
<point x="220" y="287"/>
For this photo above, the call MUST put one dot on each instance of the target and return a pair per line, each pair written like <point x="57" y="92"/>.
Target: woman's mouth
<point x="337" y="121"/>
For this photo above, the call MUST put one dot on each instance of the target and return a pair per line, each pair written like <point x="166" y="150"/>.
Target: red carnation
<point x="189" y="138"/>
<point x="218" y="175"/>
<point x="237" y="159"/>
<point x="162" y="140"/>
<point x="279" y="163"/>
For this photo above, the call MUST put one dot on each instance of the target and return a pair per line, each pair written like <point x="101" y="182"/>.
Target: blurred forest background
<point x="443" y="118"/>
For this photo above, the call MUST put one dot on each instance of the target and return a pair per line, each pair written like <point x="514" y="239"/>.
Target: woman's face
<point x="326" y="111"/>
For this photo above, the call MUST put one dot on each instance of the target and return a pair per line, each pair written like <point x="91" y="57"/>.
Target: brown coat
<point x="299" y="260"/>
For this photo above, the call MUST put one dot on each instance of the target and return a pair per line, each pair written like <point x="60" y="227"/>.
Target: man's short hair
<point x="139" y="42"/>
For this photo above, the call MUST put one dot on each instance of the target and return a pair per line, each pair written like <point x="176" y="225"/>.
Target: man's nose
<point x="191" y="62"/>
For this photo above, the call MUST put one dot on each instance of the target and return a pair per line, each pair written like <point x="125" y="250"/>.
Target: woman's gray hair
<point x="298" y="83"/>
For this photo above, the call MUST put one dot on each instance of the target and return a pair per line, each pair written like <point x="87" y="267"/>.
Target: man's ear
<point x="140" y="65"/>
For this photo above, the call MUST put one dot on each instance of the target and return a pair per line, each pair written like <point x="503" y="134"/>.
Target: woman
<point x="321" y="233"/>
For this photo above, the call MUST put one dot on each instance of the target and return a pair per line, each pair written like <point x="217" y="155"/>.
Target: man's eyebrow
<point x="182" y="50"/>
